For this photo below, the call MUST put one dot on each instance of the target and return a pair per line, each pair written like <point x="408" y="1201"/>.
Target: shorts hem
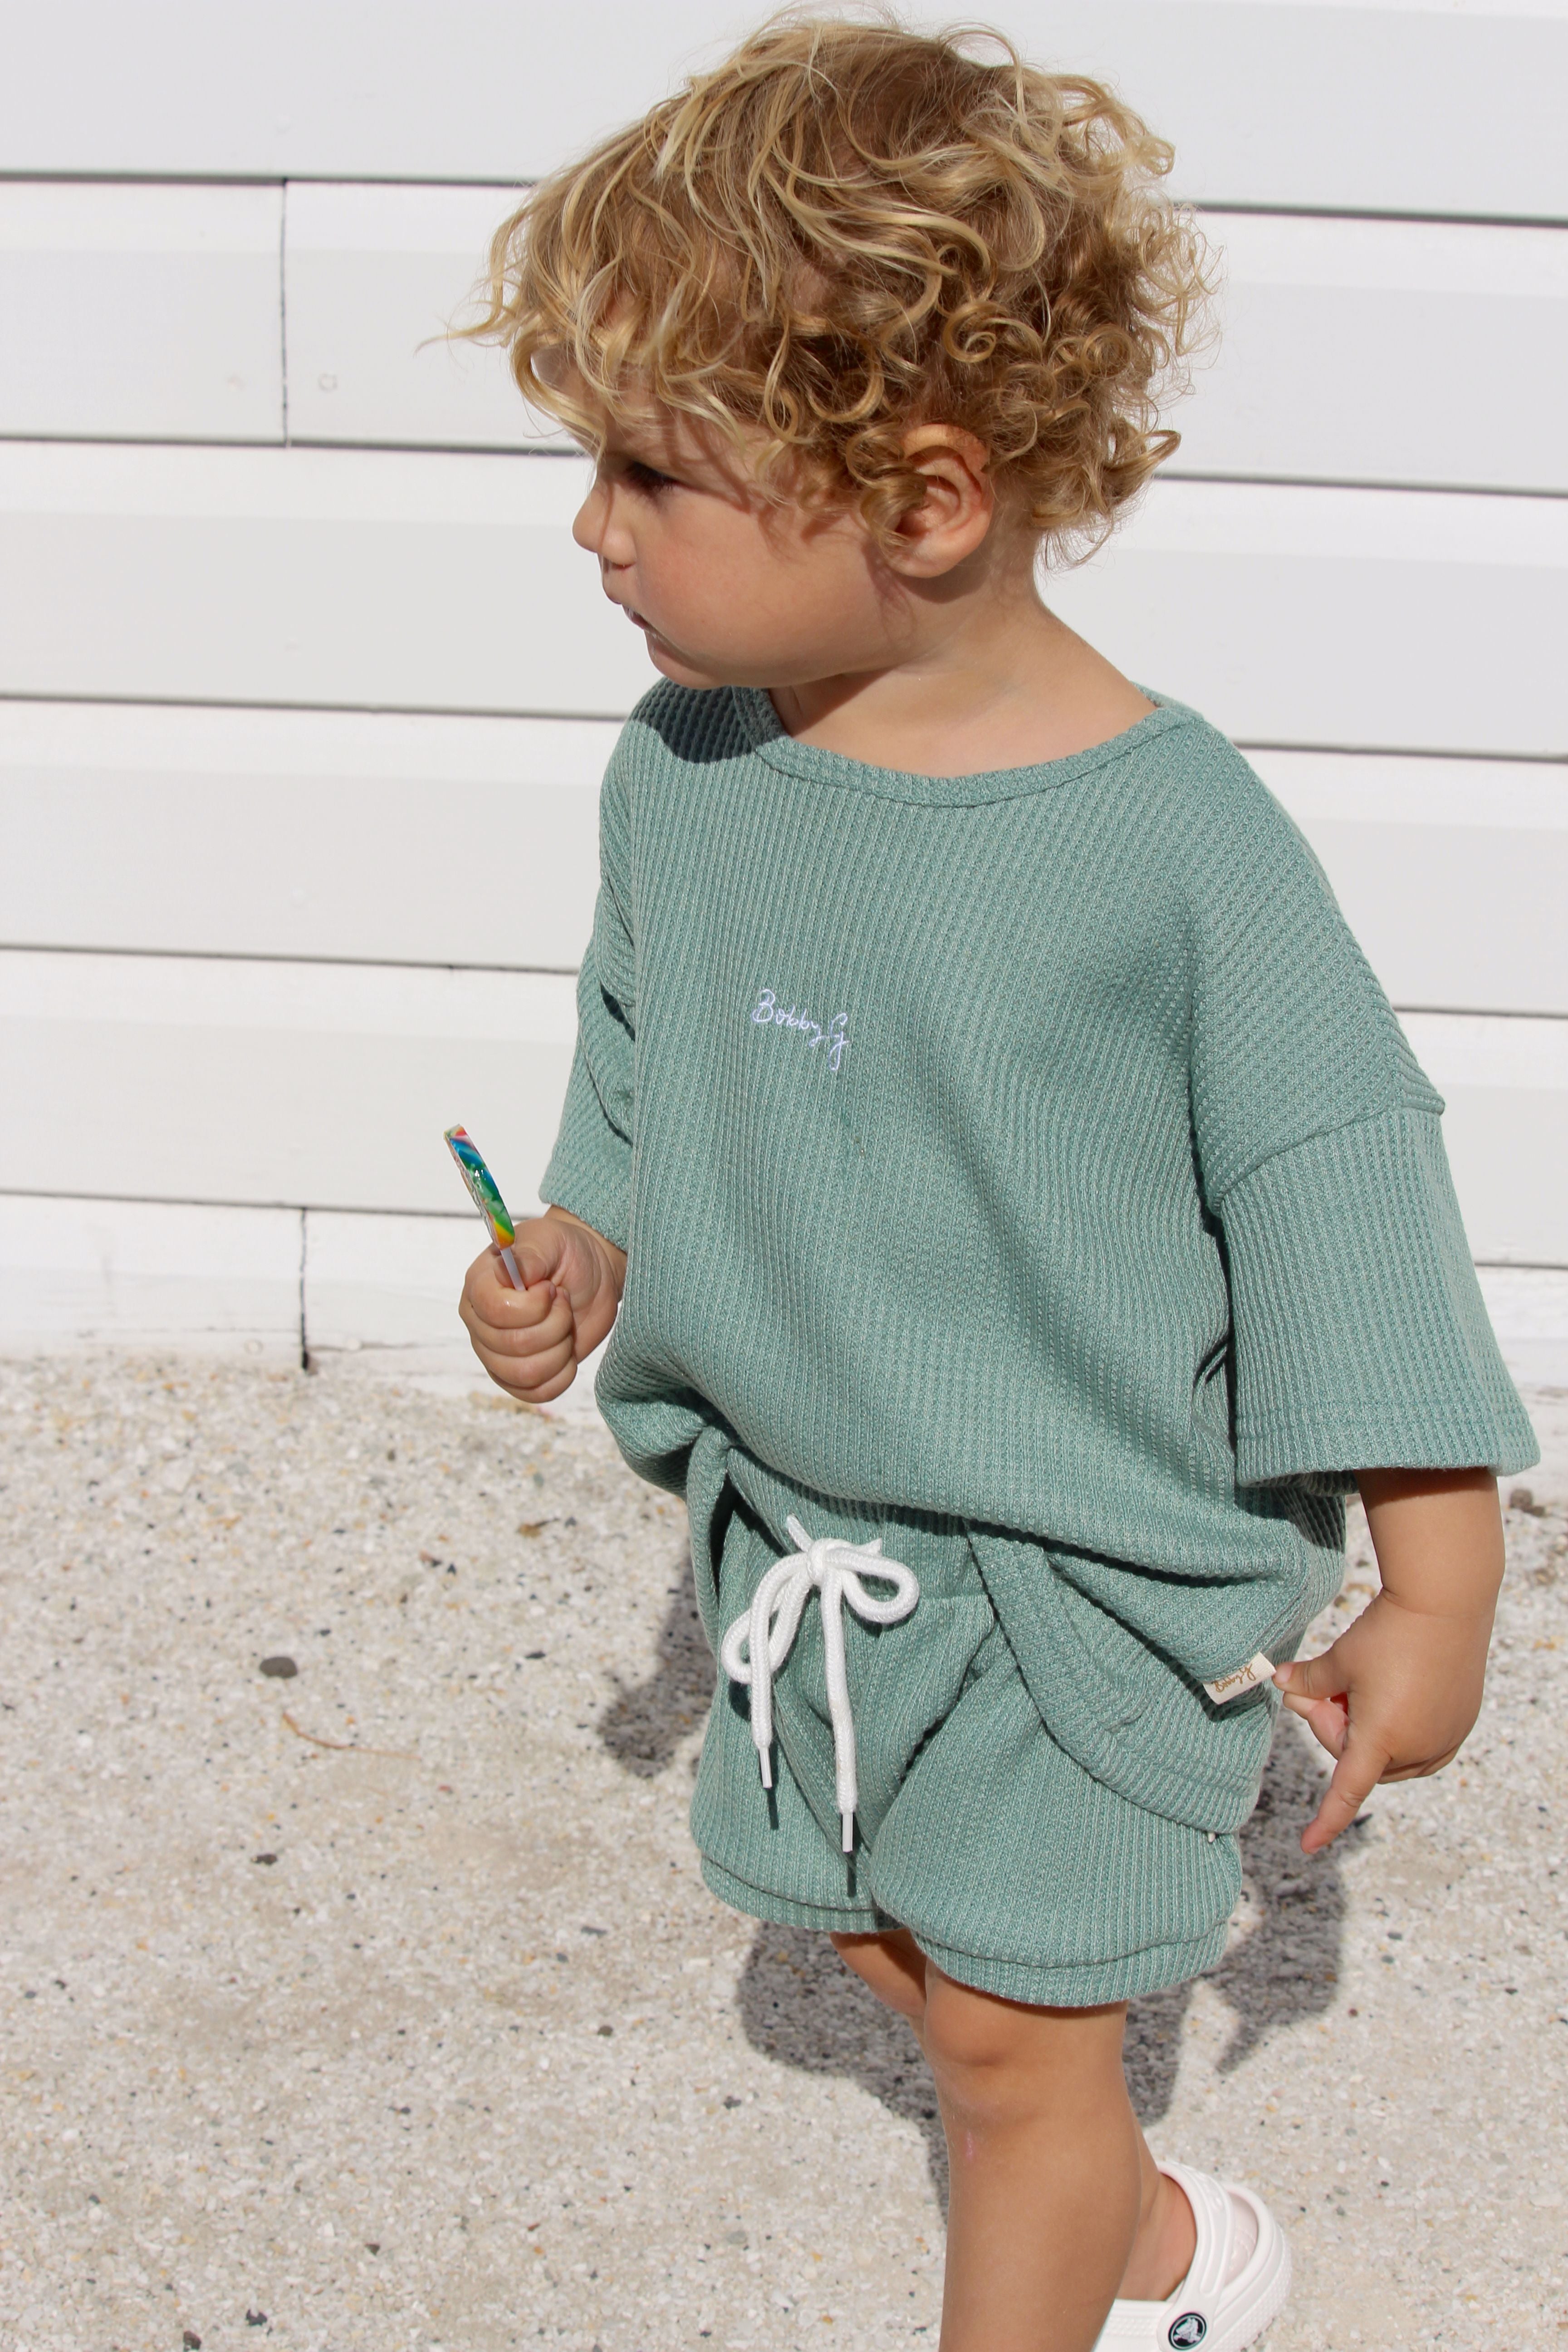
<point x="784" y="1911"/>
<point x="1085" y="1984"/>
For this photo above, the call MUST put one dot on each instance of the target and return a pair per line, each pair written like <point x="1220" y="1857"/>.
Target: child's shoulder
<point x="1217" y="821"/>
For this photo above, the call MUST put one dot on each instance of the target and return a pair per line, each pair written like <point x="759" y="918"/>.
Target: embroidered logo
<point x="833" y="1040"/>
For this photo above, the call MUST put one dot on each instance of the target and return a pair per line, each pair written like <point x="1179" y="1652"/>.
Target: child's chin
<point x="681" y="667"/>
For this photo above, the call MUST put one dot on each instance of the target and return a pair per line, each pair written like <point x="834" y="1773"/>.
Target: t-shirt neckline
<point x="772" y="740"/>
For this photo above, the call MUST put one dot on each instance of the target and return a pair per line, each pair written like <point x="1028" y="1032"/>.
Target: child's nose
<point x="596" y="530"/>
<point x="590" y="519"/>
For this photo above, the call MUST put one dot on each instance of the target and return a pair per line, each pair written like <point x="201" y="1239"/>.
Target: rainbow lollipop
<point x="486" y="1196"/>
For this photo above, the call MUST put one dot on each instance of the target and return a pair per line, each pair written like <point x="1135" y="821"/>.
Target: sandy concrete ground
<point x="382" y="2005"/>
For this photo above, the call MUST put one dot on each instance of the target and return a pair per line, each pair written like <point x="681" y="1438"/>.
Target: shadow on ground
<point x="801" y="2005"/>
<point x="1285" y="1968"/>
<point x="643" y="1723"/>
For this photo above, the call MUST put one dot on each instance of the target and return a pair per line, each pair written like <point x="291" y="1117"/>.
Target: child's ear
<point x="959" y="505"/>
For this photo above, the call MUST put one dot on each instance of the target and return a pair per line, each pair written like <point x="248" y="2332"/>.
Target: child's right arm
<point x="531" y="1341"/>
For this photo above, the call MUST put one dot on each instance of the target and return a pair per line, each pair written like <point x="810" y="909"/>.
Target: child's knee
<point x="996" y="2059"/>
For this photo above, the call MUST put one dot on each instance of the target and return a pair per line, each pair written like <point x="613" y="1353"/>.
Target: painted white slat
<point x="141" y="313"/>
<point x="373" y="273"/>
<point x="1377" y="619"/>
<point x="1506" y="1086"/>
<point x="374" y="837"/>
<point x="373" y="277"/>
<point x="388" y="1282"/>
<point x="1367" y="350"/>
<point x="141" y="1274"/>
<point x="159" y="1274"/>
<point x="305" y="576"/>
<point x="1336" y="107"/>
<point x="179" y="1078"/>
<point x="1453" y="874"/>
<point x="383" y="1291"/>
<point x="265" y="1083"/>
<point x="339" y="835"/>
<point x="1529" y="1309"/>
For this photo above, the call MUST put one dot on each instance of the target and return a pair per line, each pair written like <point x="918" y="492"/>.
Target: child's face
<point x="729" y="586"/>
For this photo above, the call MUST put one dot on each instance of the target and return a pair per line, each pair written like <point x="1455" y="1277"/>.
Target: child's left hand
<point x="1395" y="1696"/>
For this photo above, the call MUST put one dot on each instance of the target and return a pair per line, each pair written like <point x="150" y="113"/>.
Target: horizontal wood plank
<point x="331" y="835"/>
<point x="1333" y="107"/>
<point x="305" y="576"/>
<point x="372" y="837"/>
<point x="381" y="1289"/>
<point x="373" y="278"/>
<point x="1453" y="874"/>
<point x="375" y="274"/>
<point x="145" y="1274"/>
<point x="148" y="313"/>
<point x="1362" y="619"/>
<point x="1370" y="619"/>
<point x="387" y="1282"/>
<point x="321" y="1085"/>
<point x="1506" y="1128"/>
<point x="264" y="1083"/>
<point x="1528" y="1310"/>
<point x="188" y="294"/>
<point x="1327" y="363"/>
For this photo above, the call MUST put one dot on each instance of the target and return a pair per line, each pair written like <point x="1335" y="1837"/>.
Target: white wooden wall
<point x="295" y="649"/>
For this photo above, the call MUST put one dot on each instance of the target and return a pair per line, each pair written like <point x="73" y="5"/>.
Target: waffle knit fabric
<point x="1035" y="1151"/>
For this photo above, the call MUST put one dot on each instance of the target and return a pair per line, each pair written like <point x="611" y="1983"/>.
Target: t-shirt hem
<point x="1323" y="1447"/>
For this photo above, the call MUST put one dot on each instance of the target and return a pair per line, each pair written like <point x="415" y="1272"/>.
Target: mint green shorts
<point x="1015" y="1867"/>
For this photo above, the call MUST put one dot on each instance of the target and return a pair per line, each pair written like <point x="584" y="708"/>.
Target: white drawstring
<point x="757" y="1645"/>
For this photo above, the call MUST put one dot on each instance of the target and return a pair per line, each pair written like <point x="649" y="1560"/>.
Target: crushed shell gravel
<point x="380" y="2003"/>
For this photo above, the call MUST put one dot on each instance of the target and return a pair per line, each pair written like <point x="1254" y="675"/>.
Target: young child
<point x="1020" y="1217"/>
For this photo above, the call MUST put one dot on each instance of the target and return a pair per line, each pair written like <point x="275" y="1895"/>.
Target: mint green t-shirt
<point x="1035" y="1148"/>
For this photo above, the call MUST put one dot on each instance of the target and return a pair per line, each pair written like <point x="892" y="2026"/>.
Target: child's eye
<point x="648" y="479"/>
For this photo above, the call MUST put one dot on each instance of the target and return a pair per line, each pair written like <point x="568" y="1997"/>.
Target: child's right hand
<point x="531" y="1341"/>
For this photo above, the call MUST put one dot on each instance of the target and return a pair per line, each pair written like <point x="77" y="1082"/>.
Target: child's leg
<point x="1055" y="2205"/>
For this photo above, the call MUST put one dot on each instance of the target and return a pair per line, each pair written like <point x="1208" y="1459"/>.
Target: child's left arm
<point x="1396" y="1695"/>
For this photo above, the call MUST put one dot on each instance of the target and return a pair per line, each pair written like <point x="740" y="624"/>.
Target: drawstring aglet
<point x="764" y="1758"/>
<point x="849" y="1821"/>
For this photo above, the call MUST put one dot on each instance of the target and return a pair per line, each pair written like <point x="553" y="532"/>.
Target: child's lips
<point x="641" y="621"/>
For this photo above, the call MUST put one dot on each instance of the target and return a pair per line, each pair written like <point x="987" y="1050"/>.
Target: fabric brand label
<point x="831" y="1038"/>
<point x="1247" y="1677"/>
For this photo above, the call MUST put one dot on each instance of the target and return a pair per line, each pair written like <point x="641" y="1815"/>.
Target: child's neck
<point x="979" y="680"/>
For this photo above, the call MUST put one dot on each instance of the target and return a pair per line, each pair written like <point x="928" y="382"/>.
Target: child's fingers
<point x="489" y="1298"/>
<point x="535" y="1378"/>
<point x="559" y="1381"/>
<point x="1356" y="1775"/>
<point x="1313" y="1678"/>
<point x="526" y="1351"/>
<point x="1326" y="1718"/>
<point x="540" y="1249"/>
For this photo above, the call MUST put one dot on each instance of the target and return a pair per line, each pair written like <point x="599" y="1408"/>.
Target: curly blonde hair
<point x="846" y="229"/>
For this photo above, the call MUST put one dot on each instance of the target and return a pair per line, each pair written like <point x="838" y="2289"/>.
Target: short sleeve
<point x="590" y="1169"/>
<point x="1360" y="1337"/>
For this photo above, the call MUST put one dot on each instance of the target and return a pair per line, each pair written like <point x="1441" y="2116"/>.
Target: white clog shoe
<point x="1212" y="2307"/>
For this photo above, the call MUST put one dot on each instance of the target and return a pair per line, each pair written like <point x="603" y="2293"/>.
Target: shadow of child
<point x="1285" y="1968"/>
